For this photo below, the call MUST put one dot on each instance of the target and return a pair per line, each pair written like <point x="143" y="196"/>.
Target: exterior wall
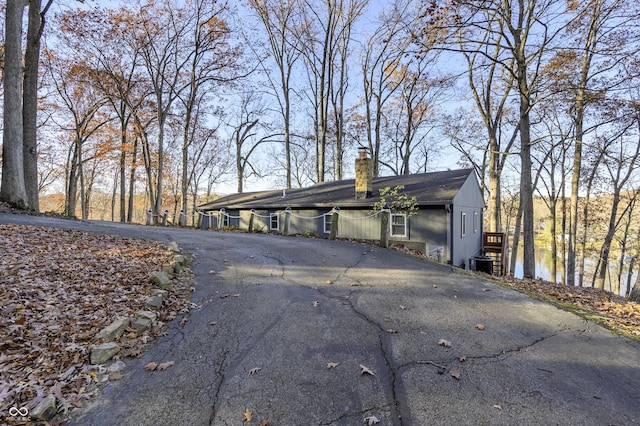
<point x="432" y="228"/>
<point x="429" y="226"/>
<point x="467" y="239"/>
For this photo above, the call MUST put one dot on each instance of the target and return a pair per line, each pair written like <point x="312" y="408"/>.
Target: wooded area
<point x="171" y="100"/>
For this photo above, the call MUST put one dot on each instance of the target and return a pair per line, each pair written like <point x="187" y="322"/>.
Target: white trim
<point x="277" y="217"/>
<point x="326" y="226"/>
<point x="463" y="224"/>
<point x="404" y="224"/>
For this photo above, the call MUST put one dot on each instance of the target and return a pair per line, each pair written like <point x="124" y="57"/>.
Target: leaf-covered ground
<point x="58" y="289"/>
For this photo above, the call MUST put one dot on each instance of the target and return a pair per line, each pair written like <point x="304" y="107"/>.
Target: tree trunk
<point x="494" y="203"/>
<point x="516" y="240"/>
<point x="634" y="296"/>
<point x="132" y="181"/>
<point x="526" y="189"/>
<point x="13" y="189"/>
<point x="122" y="171"/>
<point x="30" y="101"/>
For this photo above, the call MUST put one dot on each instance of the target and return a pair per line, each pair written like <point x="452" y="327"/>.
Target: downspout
<point x="449" y="210"/>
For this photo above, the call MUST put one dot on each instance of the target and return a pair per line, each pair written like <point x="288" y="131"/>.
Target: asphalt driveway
<point x="300" y="331"/>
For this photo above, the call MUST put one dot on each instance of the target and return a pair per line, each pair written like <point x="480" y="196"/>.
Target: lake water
<point x="543" y="269"/>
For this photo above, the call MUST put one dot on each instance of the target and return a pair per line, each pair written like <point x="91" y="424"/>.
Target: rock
<point x="144" y="320"/>
<point x="177" y="267"/>
<point x="154" y="302"/>
<point x="104" y="352"/>
<point x="178" y="258"/>
<point x="173" y="247"/>
<point x="161" y="279"/>
<point x="45" y="409"/>
<point x="69" y="373"/>
<point x="158" y="292"/>
<point x="152" y="316"/>
<point x="114" y="330"/>
<point x="116" y="367"/>
<point x="142" y="324"/>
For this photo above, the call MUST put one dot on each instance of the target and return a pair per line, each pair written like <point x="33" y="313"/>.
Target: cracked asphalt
<point x="272" y="312"/>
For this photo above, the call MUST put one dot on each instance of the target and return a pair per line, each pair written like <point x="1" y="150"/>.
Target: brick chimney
<point x="364" y="174"/>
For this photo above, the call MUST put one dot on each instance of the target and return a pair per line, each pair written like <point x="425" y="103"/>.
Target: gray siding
<point x="469" y="204"/>
<point x="433" y="227"/>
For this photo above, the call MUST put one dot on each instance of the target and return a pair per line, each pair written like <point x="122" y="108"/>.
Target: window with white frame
<point x="463" y="224"/>
<point x="475" y="222"/>
<point x="225" y="221"/>
<point x="327" y="218"/>
<point x="398" y="225"/>
<point x="274" y="221"/>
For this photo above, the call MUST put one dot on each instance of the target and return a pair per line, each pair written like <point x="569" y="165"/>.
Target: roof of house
<point x="434" y="188"/>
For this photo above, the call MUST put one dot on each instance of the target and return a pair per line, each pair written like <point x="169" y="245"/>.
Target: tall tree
<point x="36" y="22"/>
<point x="212" y="60"/>
<point x="598" y="27"/>
<point x="381" y="58"/>
<point x="13" y="189"/>
<point x="525" y="28"/>
<point x="279" y="22"/>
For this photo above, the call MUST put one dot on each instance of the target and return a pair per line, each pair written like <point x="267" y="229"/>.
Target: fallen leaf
<point x="462" y="358"/>
<point x="455" y="372"/>
<point x="165" y="365"/>
<point x="328" y="282"/>
<point x="213" y="323"/>
<point x="332" y="364"/>
<point x="391" y="331"/>
<point x="115" y="376"/>
<point x="315" y="303"/>
<point x="387" y="319"/>
<point x="254" y="370"/>
<point x="248" y="416"/>
<point x="183" y="321"/>
<point x="371" y="420"/>
<point x="366" y="370"/>
<point x="497" y="407"/>
<point x="151" y="366"/>
<point x="480" y="326"/>
<point x="264" y="423"/>
<point x="445" y="343"/>
<point x="402" y="307"/>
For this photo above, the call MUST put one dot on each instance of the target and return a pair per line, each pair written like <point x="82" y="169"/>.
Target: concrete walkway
<point x="444" y="347"/>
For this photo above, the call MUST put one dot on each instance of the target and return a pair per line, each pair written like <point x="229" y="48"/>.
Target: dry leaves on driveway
<point x="58" y="289"/>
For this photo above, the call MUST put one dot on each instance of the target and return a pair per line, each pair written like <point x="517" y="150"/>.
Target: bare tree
<point x="13" y="189"/>
<point x="212" y="60"/>
<point x="36" y="22"/>
<point x="524" y="28"/>
<point x="326" y="27"/>
<point x="382" y="56"/>
<point x="279" y="22"/>
<point x="598" y="26"/>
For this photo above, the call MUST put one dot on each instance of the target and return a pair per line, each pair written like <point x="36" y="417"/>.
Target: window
<point x="475" y="222"/>
<point x="225" y="221"/>
<point x="463" y="225"/>
<point x="274" y="221"/>
<point x="327" y="222"/>
<point x="398" y="225"/>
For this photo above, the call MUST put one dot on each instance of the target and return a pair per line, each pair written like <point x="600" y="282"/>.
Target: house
<point x="447" y="224"/>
